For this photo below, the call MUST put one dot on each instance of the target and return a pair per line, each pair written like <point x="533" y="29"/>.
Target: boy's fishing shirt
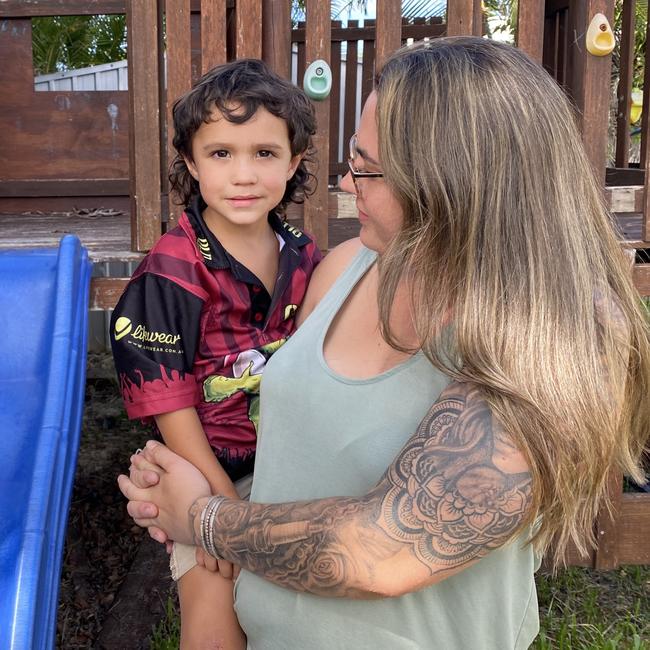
<point x="194" y="328"/>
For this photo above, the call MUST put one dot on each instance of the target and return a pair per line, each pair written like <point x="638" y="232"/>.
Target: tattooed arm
<point x="457" y="490"/>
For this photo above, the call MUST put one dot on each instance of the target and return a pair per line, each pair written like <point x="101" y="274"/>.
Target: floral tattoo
<point x="445" y="501"/>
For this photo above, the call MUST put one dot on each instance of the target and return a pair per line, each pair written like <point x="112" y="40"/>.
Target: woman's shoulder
<point x="326" y="273"/>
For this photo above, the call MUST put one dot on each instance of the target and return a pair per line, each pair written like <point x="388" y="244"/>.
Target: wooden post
<point x="249" y="29"/>
<point x="624" y="91"/>
<point x="179" y="80"/>
<point x="335" y="104"/>
<point x="461" y="17"/>
<point x="530" y="28"/>
<point x="317" y="46"/>
<point x="591" y="80"/>
<point x="350" y="91"/>
<point x="607" y="526"/>
<point x="213" y="34"/>
<point x="276" y="36"/>
<point x="144" y="125"/>
<point x="645" y="140"/>
<point x="368" y="65"/>
<point x="389" y="29"/>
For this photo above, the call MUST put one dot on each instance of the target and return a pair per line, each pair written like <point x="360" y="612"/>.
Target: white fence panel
<point x="108" y="76"/>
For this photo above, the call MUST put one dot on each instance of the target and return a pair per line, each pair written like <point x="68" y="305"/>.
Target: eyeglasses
<point x="354" y="154"/>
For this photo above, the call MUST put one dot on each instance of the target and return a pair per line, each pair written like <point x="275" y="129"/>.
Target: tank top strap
<point x="343" y="285"/>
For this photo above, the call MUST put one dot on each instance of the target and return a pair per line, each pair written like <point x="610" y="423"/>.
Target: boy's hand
<point x="225" y="568"/>
<point x="172" y="505"/>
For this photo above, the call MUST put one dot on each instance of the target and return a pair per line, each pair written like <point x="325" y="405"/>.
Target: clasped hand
<point x="161" y="488"/>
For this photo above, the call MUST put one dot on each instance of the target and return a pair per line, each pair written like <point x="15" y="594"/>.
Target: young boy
<point x="216" y="296"/>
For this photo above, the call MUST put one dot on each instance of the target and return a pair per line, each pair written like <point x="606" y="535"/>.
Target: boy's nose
<point x="244" y="173"/>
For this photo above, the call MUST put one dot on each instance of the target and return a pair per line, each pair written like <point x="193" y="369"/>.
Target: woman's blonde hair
<point x="506" y="236"/>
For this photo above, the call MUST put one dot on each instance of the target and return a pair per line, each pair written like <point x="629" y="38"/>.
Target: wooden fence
<point x="202" y="33"/>
<point x="259" y="28"/>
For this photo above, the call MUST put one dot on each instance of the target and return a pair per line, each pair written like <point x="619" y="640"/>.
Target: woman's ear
<point x="293" y="164"/>
<point x="191" y="168"/>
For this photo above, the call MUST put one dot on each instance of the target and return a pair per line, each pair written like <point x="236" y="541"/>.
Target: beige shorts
<point x="183" y="556"/>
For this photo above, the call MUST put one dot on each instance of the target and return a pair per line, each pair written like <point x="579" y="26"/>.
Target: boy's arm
<point x="183" y="433"/>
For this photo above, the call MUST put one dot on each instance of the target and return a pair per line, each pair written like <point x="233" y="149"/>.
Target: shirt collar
<point x="215" y="255"/>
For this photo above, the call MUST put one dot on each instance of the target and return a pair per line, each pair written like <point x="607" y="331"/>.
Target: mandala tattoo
<point x="446" y="500"/>
<point x="446" y="497"/>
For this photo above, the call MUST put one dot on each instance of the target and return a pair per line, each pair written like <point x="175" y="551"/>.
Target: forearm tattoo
<point x="443" y="503"/>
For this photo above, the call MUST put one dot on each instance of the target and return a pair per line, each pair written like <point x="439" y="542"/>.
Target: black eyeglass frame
<point x="357" y="174"/>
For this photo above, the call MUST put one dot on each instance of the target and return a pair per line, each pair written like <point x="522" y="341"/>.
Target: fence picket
<point x="317" y="46"/>
<point x="368" y="67"/>
<point x="349" y="116"/>
<point x="335" y="105"/>
<point x="213" y="33"/>
<point x="461" y="17"/>
<point x="389" y="28"/>
<point x="179" y="81"/>
<point x="249" y="29"/>
<point x="645" y="139"/>
<point x="276" y="36"/>
<point x="530" y="36"/>
<point x="624" y="90"/>
<point x="590" y="85"/>
<point x="144" y="134"/>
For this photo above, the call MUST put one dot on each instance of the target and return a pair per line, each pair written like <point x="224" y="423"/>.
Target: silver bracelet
<point x="208" y="515"/>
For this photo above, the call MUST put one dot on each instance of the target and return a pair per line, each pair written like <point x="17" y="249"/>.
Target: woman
<point x="487" y="301"/>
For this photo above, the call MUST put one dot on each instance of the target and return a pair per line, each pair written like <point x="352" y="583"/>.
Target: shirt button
<point x="256" y="289"/>
<point x="259" y="316"/>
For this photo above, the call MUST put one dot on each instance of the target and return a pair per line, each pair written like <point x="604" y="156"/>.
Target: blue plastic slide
<point x="43" y="334"/>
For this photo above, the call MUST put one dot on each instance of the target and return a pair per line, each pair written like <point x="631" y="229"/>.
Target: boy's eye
<point x="265" y="153"/>
<point x="220" y="153"/>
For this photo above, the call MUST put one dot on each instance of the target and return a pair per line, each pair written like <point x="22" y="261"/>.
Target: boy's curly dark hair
<point x="237" y="90"/>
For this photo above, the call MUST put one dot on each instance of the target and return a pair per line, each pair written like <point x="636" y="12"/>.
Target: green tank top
<point x="324" y="435"/>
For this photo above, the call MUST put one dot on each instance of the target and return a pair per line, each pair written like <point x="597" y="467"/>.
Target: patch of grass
<point x="579" y="609"/>
<point x="167" y="634"/>
<point x="583" y="609"/>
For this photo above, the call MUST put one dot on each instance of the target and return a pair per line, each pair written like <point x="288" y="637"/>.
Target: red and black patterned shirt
<point x="195" y="327"/>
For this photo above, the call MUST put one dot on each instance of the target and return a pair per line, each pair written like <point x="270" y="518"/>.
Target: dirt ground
<point x="101" y="540"/>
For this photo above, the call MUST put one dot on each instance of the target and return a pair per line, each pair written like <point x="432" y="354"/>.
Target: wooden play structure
<point x="110" y="149"/>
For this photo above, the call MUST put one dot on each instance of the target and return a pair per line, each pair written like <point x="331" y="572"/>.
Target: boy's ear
<point x="293" y="165"/>
<point x="191" y="168"/>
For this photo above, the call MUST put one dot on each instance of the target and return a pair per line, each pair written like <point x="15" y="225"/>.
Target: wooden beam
<point x="34" y="8"/>
<point x="179" y="81"/>
<point x="607" y="526"/>
<point x="641" y="277"/>
<point x="461" y="17"/>
<point x="335" y="105"/>
<point x="355" y="33"/>
<point x="530" y="28"/>
<point x="213" y="34"/>
<point x="144" y="125"/>
<point x="591" y="80"/>
<point x="276" y="36"/>
<point x="105" y="292"/>
<point x="634" y="529"/>
<point x="65" y="187"/>
<point x="317" y="46"/>
<point x="389" y="29"/>
<point x="249" y="29"/>
<point x="624" y="199"/>
<point x="645" y="115"/>
<point x="367" y="68"/>
<point x="624" y="90"/>
<point x="645" y="141"/>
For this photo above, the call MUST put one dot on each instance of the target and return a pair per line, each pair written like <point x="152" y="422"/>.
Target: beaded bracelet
<point x="208" y="515"/>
